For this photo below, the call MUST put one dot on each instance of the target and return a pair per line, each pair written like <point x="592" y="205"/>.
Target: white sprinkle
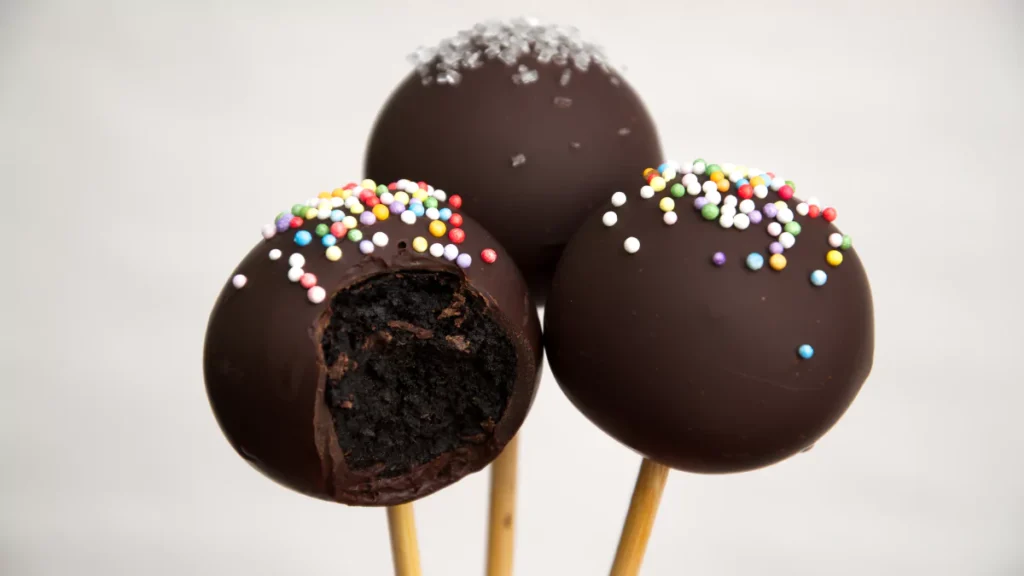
<point x="670" y="217"/>
<point x="294" y="273"/>
<point x="728" y="210"/>
<point x="610" y="218"/>
<point x="777" y="183"/>
<point x="785" y="216"/>
<point x="313" y="202"/>
<point x="754" y="172"/>
<point x="402" y="183"/>
<point x="618" y="199"/>
<point x="239" y="280"/>
<point x="316" y="294"/>
<point x="647" y="192"/>
<point x="410" y="187"/>
<point x="725" y="221"/>
<point x="802" y="208"/>
<point x="689" y="178"/>
<point x="441" y="195"/>
<point x="408" y="216"/>
<point x="323" y="213"/>
<point x="269" y="231"/>
<point x="698" y="168"/>
<point x="686" y="168"/>
<point x="337" y="201"/>
<point x="714" y="197"/>
<point x="774" y="228"/>
<point x="387" y="198"/>
<point x="380" y="239"/>
<point x="761" y="191"/>
<point x="693" y="188"/>
<point x="436" y="250"/>
<point x="813" y="201"/>
<point x="835" y="240"/>
<point x="351" y="201"/>
<point x="275" y="254"/>
<point x="735" y="176"/>
<point x="787" y="240"/>
<point x="741" y="221"/>
<point x="296" y="260"/>
<point x="432" y="213"/>
<point x="728" y="168"/>
<point x="451" y="252"/>
<point x="669" y="174"/>
<point x="709" y="187"/>
<point x="632" y="245"/>
<point x="730" y="200"/>
<point x="747" y="206"/>
<point x="518" y="160"/>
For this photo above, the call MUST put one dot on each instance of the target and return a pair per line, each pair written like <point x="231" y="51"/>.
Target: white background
<point x="142" y="145"/>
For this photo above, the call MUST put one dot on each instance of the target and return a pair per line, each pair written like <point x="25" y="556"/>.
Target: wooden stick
<point x="640" y="520"/>
<point x="405" y="551"/>
<point x="502" y="528"/>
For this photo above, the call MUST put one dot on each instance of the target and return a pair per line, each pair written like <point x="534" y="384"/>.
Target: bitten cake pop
<point x="531" y="119"/>
<point x="710" y="320"/>
<point x="377" y="346"/>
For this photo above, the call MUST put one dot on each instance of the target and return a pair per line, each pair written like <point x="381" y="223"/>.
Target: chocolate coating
<point x="574" y="143"/>
<point x="265" y="373"/>
<point x="696" y="366"/>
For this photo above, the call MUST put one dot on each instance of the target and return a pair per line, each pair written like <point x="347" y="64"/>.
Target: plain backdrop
<point x="142" y="144"/>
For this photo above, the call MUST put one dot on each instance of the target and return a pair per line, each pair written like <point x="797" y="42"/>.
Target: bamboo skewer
<point x="501" y="524"/>
<point x="643" y="508"/>
<point x="405" y="551"/>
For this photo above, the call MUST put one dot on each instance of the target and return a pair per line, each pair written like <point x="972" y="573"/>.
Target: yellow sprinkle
<point x="716" y="176"/>
<point x="420" y="194"/>
<point x="647" y="172"/>
<point x="339" y="193"/>
<point x="333" y="253"/>
<point x="356" y="209"/>
<point x="658" y="183"/>
<point x="350" y="223"/>
<point x="723" y="185"/>
<point x="777" y="261"/>
<point x="756" y="181"/>
<point x="419" y="244"/>
<point x="667" y="204"/>
<point x="437" y="228"/>
<point x="324" y="195"/>
<point x="310" y="213"/>
<point x="368" y="184"/>
<point x="381" y="212"/>
<point x="346" y="193"/>
<point x="780" y="204"/>
<point x="834" y="257"/>
<point x="742" y="170"/>
<point x="324" y="206"/>
<point x="402" y="197"/>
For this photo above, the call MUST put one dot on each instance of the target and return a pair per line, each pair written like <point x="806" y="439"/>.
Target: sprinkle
<point x="835" y="240"/>
<point x="311" y="213"/>
<point x="381" y="212"/>
<point x="437" y="228"/>
<point x="699" y="202"/>
<point x="618" y="199"/>
<point x="709" y="212"/>
<point x="451" y="252"/>
<point x="239" y="280"/>
<point x="777" y="262"/>
<point x="433" y="213"/>
<point x="777" y="184"/>
<point x="667" y="204"/>
<point x="356" y="209"/>
<point x="686" y="168"/>
<point x="712" y="168"/>
<point x="787" y="240"/>
<point x="741" y="221"/>
<point x="847" y="242"/>
<point x="624" y="131"/>
<point x="275" y="254"/>
<point x="632" y="245"/>
<point x="646" y="192"/>
<point x="307" y="280"/>
<point x="610" y="218"/>
<point x="455" y="220"/>
<point x="723" y="185"/>
<point x="729" y="200"/>
<point x="709" y="187"/>
<point x="670" y="217"/>
<point x="785" y="192"/>
<point x="436" y="250"/>
<point x="386" y="198"/>
<point x="658" y="183"/>
<point x="714" y="197"/>
<point x="295" y="222"/>
<point x="793" y="228"/>
<point x="718" y="259"/>
<point x="805" y="351"/>
<point x="518" y="160"/>
<point x="337" y="215"/>
<point x="813" y="211"/>
<point x="755" y="261"/>
<point x="488" y="255"/>
<point x="457" y="235"/>
<point x="728" y="209"/>
<point x="774" y="228"/>
<point x="818" y="277"/>
<point x="562" y="102"/>
<point x="725" y="221"/>
<point x="321" y="229"/>
<point x="464" y="260"/>
<point x="761" y="191"/>
<point x="316" y="294"/>
<point x="408" y="216"/>
<point x="689" y="179"/>
<point x="303" y="237"/>
<point x="269" y="231"/>
<point x="333" y="253"/>
<point x="355" y="235"/>
<point x="294" y="273"/>
<point x="455" y="201"/>
<point x="747" y="206"/>
<point x="745" y="191"/>
<point x="677" y="190"/>
<point x="785" y="216"/>
<point x="367" y="218"/>
<point x="770" y="210"/>
<point x="366" y="247"/>
<point x="402" y="197"/>
<point x="834" y="258"/>
<point x="419" y="244"/>
<point x="380" y="239"/>
<point x="776" y="248"/>
<point x="802" y="208"/>
<point x="698" y="167"/>
<point x="693" y="188"/>
<point x="329" y="240"/>
<point x="283" y="223"/>
<point x="349" y="222"/>
<point x="813" y="201"/>
<point x="429" y="203"/>
<point x="755" y="217"/>
<point x="396" y="207"/>
<point x="829" y="214"/>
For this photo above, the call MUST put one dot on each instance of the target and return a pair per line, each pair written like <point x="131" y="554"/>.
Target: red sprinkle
<point x="338" y="229"/>
<point x="785" y="192"/>
<point x="393" y="186"/>
<point x="295" y="222"/>
<point x="813" y="211"/>
<point x="455" y="220"/>
<point x="307" y="280"/>
<point x="455" y="201"/>
<point x="349" y="186"/>
<point x="457" y="235"/>
<point x="488" y="255"/>
<point x="745" y="192"/>
<point x="829" y="214"/>
<point x="371" y="201"/>
<point x="422" y="185"/>
<point x="366" y="195"/>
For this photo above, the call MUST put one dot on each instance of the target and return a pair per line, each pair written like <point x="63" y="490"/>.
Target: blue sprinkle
<point x="445" y="214"/>
<point x="329" y="240"/>
<point x="662" y="167"/>
<point x="337" y="215"/>
<point x="805" y="351"/>
<point x="755" y="261"/>
<point x="303" y="237"/>
<point x="417" y="209"/>
<point x="818" y="277"/>
<point x="741" y="182"/>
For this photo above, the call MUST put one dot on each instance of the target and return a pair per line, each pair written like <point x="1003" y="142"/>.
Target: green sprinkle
<point x="847" y="242"/>
<point x="322" y="229"/>
<point x="355" y="235"/>
<point x="381" y="189"/>
<point x="430" y="202"/>
<point x="709" y="211"/>
<point x="793" y="228"/>
<point x="677" y="190"/>
<point x="298" y="210"/>
<point x="278" y="217"/>
<point x="714" y="168"/>
<point x="791" y="185"/>
<point x="701" y="160"/>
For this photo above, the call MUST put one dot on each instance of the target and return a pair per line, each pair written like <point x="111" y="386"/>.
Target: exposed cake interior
<point x="417" y="366"/>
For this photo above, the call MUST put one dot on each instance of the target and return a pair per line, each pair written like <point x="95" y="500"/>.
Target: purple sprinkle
<point x="366" y="246"/>
<point x="775" y="248"/>
<point x="464" y="260"/>
<point x="397" y="207"/>
<point x="699" y="202"/>
<point x="367" y="218"/>
<point x="770" y="210"/>
<point x="755" y="217"/>
<point x="283" y="223"/>
<point x="718" y="259"/>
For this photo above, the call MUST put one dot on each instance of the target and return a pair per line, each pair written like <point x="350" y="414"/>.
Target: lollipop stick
<point x="501" y="532"/>
<point x="404" y="551"/>
<point x="640" y="519"/>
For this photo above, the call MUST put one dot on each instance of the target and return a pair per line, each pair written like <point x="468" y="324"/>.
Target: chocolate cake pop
<point x="530" y="119"/>
<point x="377" y="346"/>
<point x="709" y="319"/>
